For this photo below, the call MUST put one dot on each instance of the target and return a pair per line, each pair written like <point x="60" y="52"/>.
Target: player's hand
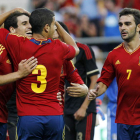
<point x="77" y="90"/>
<point x="59" y="98"/>
<point x="80" y="114"/>
<point x="92" y="94"/>
<point x="25" y="67"/>
<point x="21" y="10"/>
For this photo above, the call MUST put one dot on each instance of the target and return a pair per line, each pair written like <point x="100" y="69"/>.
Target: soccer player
<point x="123" y="62"/>
<point x="40" y="109"/>
<point x="17" y="22"/>
<point x="24" y="68"/>
<point x="77" y="111"/>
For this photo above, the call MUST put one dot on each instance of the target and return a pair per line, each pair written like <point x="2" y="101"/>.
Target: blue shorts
<point x="40" y="127"/>
<point x="3" y="130"/>
<point x="128" y="132"/>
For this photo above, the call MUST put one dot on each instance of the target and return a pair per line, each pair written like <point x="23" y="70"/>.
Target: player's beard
<point x="130" y="36"/>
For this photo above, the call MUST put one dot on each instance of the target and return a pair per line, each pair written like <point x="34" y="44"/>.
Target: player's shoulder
<point x="119" y="46"/>
<point x="58" y="42"/>
<point x="17" y="35"/>
<point x="85" y="49"/>
<point x="83" y="46"/>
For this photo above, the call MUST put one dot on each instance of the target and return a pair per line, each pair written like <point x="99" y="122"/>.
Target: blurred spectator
<point x="90" y="8"/>
<point x="2" y="9"/>
<point x="68" y="3"/>
<point x="70" y="19"/>
<point x="38" y="3"/>
<point x="86" y="28"/>
<point x="110" y="19"/>
<point x="54" y="6"/>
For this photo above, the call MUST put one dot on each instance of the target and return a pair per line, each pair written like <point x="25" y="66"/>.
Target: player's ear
<point x="46" y="28"/>
<point x="138" y="27"/>
<point x="12" y="30"/>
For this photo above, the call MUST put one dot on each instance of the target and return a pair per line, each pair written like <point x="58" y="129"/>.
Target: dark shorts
<point x="12" y="125"/>
<point x="40" y="127"/>
<point x="79" y="130"/>
<point x="3" y="130"/>
<point x="128" y="132"/>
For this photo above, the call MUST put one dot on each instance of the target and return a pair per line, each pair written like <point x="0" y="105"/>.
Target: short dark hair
<point x="134" y="12"/>
<point x="39" y="18"/>
<point x="64" y="26"/>
<point x="12" y="20"/>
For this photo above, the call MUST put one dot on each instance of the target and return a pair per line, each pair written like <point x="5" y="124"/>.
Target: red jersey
<point x="36" y="94"/>
<point x="126" y="67"/>
<point x="70" y="73"/>
<point x="5" y="90"/>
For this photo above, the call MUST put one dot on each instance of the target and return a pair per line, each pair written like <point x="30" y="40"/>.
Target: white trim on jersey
<point x="92" y="71"/>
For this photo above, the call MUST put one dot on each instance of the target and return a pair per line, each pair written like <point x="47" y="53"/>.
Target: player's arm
<point x="100" y="89"/>
<point x="93" y="80"/>
<point x="5" y="15"/>
<point x="92" y="94"/>
<point x="25" y="67"/>
<point x="92" y="73"/>
<point x="77" y="88"/>
<point x="66" y="37"/>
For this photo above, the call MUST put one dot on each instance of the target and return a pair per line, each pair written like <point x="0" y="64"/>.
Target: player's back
<point x="36" y="94"/>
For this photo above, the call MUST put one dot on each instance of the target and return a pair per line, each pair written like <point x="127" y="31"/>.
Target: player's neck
<point x="132" y="45"/>
<point x="39" y="36"/>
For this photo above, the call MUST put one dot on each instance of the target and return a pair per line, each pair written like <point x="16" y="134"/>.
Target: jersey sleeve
<point x="10" y="41"/>
<point x="72" y="74"/>
<point x="3" y="36"/>
<point x="108" y="71"/>
<point x="90" y="62"/>
<point x="68" y="51"/>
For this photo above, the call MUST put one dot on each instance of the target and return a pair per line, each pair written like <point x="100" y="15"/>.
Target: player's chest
<point x="127" y="63"/>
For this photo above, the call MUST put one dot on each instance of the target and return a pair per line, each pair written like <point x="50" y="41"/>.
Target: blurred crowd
<point x="88" y="18"/>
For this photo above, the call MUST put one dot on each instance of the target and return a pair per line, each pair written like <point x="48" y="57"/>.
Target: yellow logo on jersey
<point x="1" y="49"/>
<point x="117" y="62"/>
<point x="8" y="61"/>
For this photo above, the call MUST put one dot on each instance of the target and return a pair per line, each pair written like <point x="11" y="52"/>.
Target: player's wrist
<point x="84" y="89"/>
<point x="18" y="75"/>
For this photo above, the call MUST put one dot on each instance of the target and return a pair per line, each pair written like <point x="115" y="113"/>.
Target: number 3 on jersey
<point x="41" y="78"/>
<point x="129" y="73"/>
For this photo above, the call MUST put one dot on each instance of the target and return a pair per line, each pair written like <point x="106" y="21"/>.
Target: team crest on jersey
<point x="8" y="61"/>
<point x="117" y="62"/>
<point x="139" y="61"/>
<point x="1" y="48"/>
